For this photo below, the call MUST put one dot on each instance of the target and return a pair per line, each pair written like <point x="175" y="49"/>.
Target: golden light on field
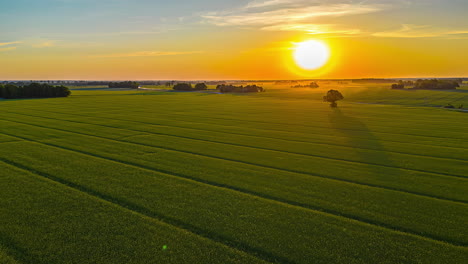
<point x="311" y="54"/>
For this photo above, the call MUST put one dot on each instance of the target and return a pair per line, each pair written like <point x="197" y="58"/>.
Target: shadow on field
<point x="359" y="137"/>
<point x="18" y="253"/>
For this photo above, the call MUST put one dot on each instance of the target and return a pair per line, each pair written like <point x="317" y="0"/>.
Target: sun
<point x="311" y="54"/>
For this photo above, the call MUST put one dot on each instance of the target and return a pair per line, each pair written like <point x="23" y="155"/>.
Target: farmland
<point x="141" y="176"/>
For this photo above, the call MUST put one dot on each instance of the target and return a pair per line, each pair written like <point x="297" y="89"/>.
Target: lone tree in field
<point x="333" y="96"/>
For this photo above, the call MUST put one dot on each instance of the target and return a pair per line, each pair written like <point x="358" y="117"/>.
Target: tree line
<point x="239" y="89"/>
<point x="129" y="84"/>
<point x="189" y="87"/>
<point x="33" y="90"/>
<point x="432" y="84"/>
<point x="311" y="85"/>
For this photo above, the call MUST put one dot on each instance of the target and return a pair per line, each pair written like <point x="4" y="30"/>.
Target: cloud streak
<point x="421" y="31"/>
<point x="307" y="16"/>
<point x="7" y="49"/>
<point x="315" y="29"/>
<point x="291" y="15"/>
<point x="45" y="44"/>
<point x="10" y="43"/>
<point x="146" y="54"/>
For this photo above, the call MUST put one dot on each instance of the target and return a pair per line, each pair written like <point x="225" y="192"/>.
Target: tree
<point x="129" y="84"/>
<point x="200" y="86"/>
<point x="223" y="88"/>
<point x="398" y="86"/>
<point x="183" y="87"/>
<point x="33" y="90"/>
<point x="435" y="84"/>
<point x="314" y="85"/>
<point x="333" y="96"/>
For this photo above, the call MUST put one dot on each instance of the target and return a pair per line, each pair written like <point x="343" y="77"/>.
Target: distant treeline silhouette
<point x="239" y="89"/>
<point x="311" y="85"/>
<point x="432" y="84"/>
<point x="189" y="87"/>
<point x="132" y="85"/>
<point x="33" y="90"/>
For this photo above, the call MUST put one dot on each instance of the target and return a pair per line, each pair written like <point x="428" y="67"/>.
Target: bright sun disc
<point x="311" y="54"/>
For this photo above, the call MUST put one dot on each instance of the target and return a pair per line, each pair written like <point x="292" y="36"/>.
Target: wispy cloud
<point x="7" y="49"/>
<point x="421" y="31"/>
<point x="291" y="15"/>
<point x="45" y="44"/>
<point x="136" y="32"/>
<point x="146" y="54"/>
<point x="10" y="43"/>
<point x="315" y="29"/>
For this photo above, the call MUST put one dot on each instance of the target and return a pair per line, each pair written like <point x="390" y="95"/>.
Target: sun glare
<point x="311" y="54"/>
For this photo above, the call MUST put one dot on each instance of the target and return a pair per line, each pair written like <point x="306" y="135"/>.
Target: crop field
<point x="141" y="176"/>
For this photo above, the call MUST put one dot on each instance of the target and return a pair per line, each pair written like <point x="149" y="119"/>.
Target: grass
<point x="156" y="86"/>
<point x="5" y="258"/>
<point x="57" y="223"/>
<point x="273" y="177"/>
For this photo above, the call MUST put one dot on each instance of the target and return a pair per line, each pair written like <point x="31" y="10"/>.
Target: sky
<point x="230" y="39"/>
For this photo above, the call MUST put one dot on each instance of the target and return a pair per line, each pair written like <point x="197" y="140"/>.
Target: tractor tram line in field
<point x="242" y="134"/>
<point x="275" y="190"/>
<point x="174" y="222"/>
<point x="430" y="137"/>
<point x="260" y="148"/>
<point x="267" y="166"/>
<point x="428" y="143"/>
<point x="134" y="209"/>
<point x="143" y="212"/>
<point x="248" y="192"/>
<point x="210" y="114"/>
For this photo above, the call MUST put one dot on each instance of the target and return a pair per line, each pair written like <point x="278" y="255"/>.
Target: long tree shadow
<point x="365" y="144"/>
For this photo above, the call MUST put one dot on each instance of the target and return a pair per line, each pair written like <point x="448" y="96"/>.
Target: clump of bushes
<point x="129" y="84"/>
<point x="435" y="84"/>
<point x="183" y="87"/>
<point x="450" y="106"/>
<point x="398" y="86"/>
<point x="333" y="96"/>
<point x="33" y="90"/>
<point x="189" y="87"/>
<point x="311" y="85"/>
<point x="432" y="84"/>
<point x="239" y="89"/>
<point x="402" y="84"/>
<point x="200" y="87"/>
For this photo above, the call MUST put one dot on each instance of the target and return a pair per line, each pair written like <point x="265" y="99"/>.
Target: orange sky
<point x="231" y="39"/>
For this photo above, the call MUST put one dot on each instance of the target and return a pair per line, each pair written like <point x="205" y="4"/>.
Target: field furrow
<point x="275" y="177"/>
<point x="338" y="130"/>
<point x="377" y="156"/>
<point x="88" y="229"/>
<point x="243" y="178"/>
<point x="339" y="119"/>
<point x="350" y="172"/>
<point x="222" y="213"/>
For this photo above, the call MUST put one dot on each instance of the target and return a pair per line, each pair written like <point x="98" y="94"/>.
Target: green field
<point x="131" y="176"/>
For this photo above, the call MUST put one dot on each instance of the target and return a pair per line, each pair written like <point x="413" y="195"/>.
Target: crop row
<point x="269" y="229"/>
<point x="42" y="221"/>
<point x="394" y="209"/>
<point x="395" y="178"/>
